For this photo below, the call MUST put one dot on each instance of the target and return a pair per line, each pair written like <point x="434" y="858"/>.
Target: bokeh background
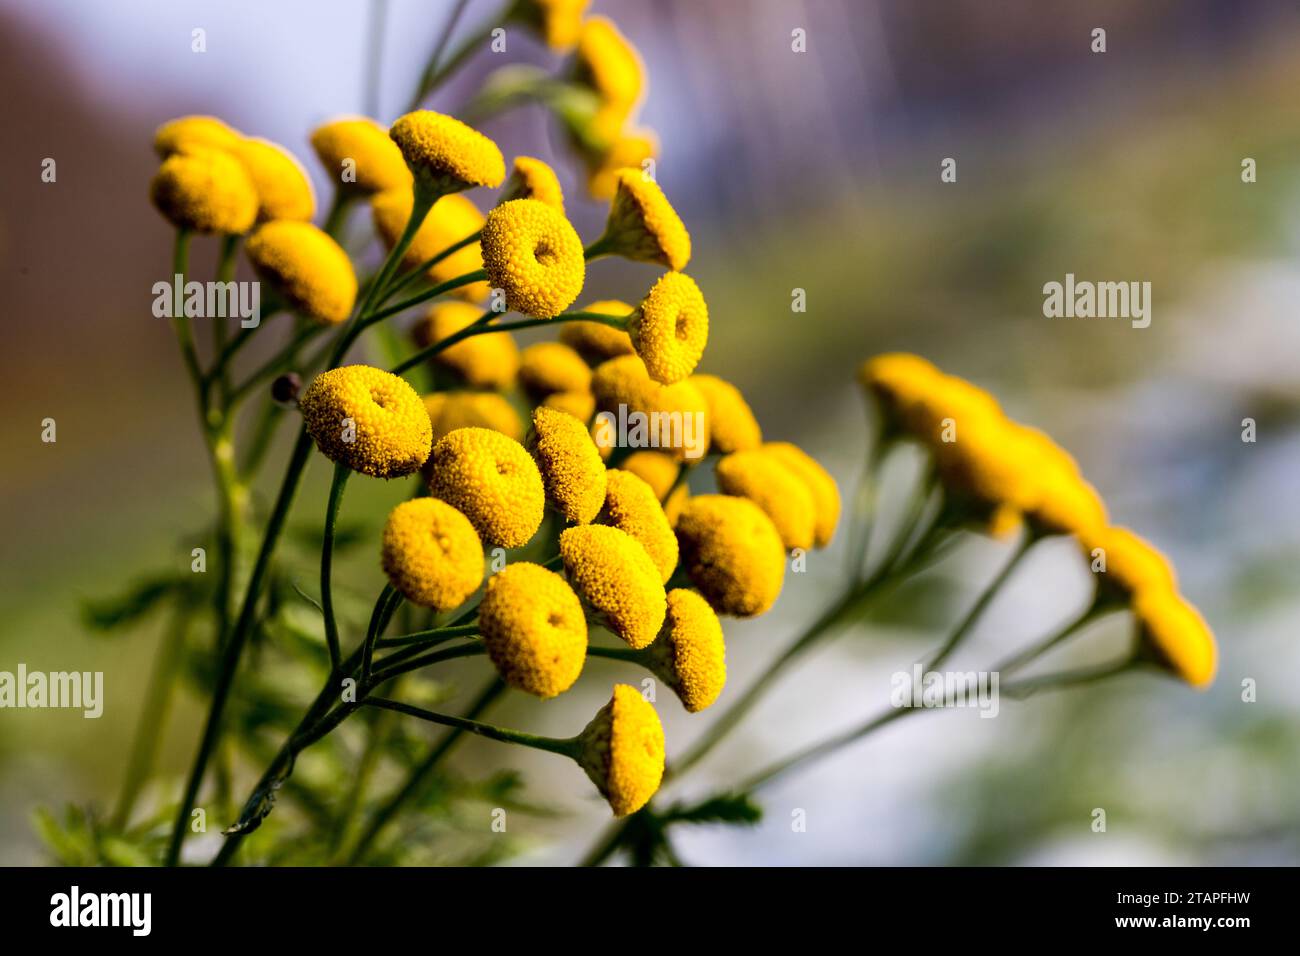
<point x="817" y="171"/>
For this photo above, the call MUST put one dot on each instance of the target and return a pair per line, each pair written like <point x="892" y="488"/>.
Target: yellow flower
<point x="595" y="341"/>
<point x="679" y="407"/>
<point x="452" y="219"/>
<point x="690" y="654"/>
<point x="778" y="491"/>
<point x="492" y="479"/>
<point x="558" y="21"/>
<point x="732" y="552"/>
<point x="432" y="554"/>
<point x="581" y="405"/>
<point x="1064" y="503"/>
<point x="185" y="131"/>
<point x="533" y="253"/>
<point x="571" y="468"/>
<point x="283" y="189"/>
<point x="675" y="502"/>
<point x="986" y="461"/>
<point x="533" y="179"/>
<point x="445" y="155"/>
<point x="204" y="190"/>
<point x="656" y="469"/>
<point x="612" y="572"/>
<point x="623" y="751"/>
<point x="628" y="151"/>
<point x="900" y="382"/>
<point x="547" y="367"/>
<point x="642" y="224"/>
<point x="449" y="411"/>
<point x="1127" y="564"/>
<point x="732" y="425"/>
<point x="368" y="419"/>
<point x="609" y="64"/>
<point x="534" y="630"/>
<point x="1178" y="634"/>
<point x="308" y="268"/>
<point x="481" y="361"/>
<point x="670" y="328"/>
<point x="630" y="505"/>
<point x="359" y="145"/>
<point x="825" y="493"/>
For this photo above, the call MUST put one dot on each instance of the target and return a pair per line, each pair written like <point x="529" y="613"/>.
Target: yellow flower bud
<point x="368" y="419"/>
<point x="534" y="629"/>
<point x="534" y="255"/>
<point x="204" y="190"/>
<point x="690" y="653"/>
<point x="432" y="554"/>
<point x="630" y="505"/>
<point x="625" y="381"/>
<point x="481" y="361"/>
<point x="900" y="382"/>
<point x="449" y="411"/>
<point x="1131" y="564"/>
<point x="492" y="479"/>
<point x="533" y="179"/>
<point x="445" y="155"/>
<point x="186" y="131"/>
<point x="547" y="367"/>
<point x="306" y="267"/>
<point x="769" y="484"/>
<point x="825" y="493"/>
<point x="623" y="751"/>
<point x="595" y="341"/>
<point x="732" y="552"/>
<point x="670" y="328"/>
<point x="374" y="160"/>
<point x="581" y="405"/>
<point x="1178" y="634"/>
<point x="609" y="64"/>
<point x="283" y="189"/>
<point x="558" y="21"/>
<point x="452" y="219"/>
<point x="732" y="425"/>
<point x="612" y="572"/>
<point x="642" y="224"/>
<point x="655" y="468"/>
<point x="628" y="151"/>
<point x="571" y="468"/>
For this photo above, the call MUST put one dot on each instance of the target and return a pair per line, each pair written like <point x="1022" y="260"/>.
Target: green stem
<point x="481" y="327"/>
<point x="450" y="285"/>
<point x="604" y="246"/>
<point x="337" y="485"/>
<point x="967" y="622"/>
<point x="568" y="747"/>
<point x="1035" y="651"/>
<point x="387" y="669"/>
<point x="431" y="637"/>
<point x="225" y="272"/>
<point x="386" y="604"/>
<point x="337" y="216"/>
<point x="408" y="277"/>
<point x="436" y="71"/>
<point x="279" y="362"/>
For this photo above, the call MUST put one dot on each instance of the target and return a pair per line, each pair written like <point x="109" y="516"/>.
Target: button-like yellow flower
<point x="571" y="468"/>
<point x="449" y="411"/>
<point x="1178" y="634"/>
<point x="175" y="135"/>
<point x="628" y="151"/>
<point x="1063" y="502"/>
<point x="623" y="751"/>
<point x="547" y="367"/>
<point x="359" y="156"/>
<point x="452" y="219"/>
<point x="900" y="382"/>
<point x="204" y="190"/>
<point x="432" y="554"/>
<point x="631" y="506"/>
<point x="481" y="361"/>
<point x="677" y="408"/>
<point x="306" y="267"/>
<point x="732" y="552"/>
<point x="493" y="480"/>
<point x="283" y="189"/>
<point x="534" y="255"/>
<point x="445" y="155"/>
<point x="655" y="468"/>
<point x="581" y="405"/>
<point x="690" y="654"/>
<point x="531" y="178"/>
<point x="778" y="491"/>
<point x="558" y="21"/>
<point x="595" y="341"/>
<point x="609" y="65"/>
<point x="732" y="425"/>
<point x="642" y="224"/>
<point x="534" y="629"/>
<point x="368" y="419"/>
<point x="825" y="493"/>
<point x="1126" y="563"/>
<point x="612" y="572"/>
<point x="670" y="328"/>
<point x="986" y="462"/>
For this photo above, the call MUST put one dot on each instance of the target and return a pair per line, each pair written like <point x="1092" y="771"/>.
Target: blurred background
<point x="817" y="171"/>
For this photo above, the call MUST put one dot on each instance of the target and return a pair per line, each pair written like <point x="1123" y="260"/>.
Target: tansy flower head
<point x="595" y="341"/>
<point x="581" y="405"/>
<point x="643" y="225"/>
<point x="732" y="552"/>
<point x="534" y="629"/>
<point x="631" y="506"/>
<point x="359" y="156"/>
<point x="175" y="135"/>
<point x="986" y="462"/>
<point x="445" y="155"/>
<point x="628" y="151"/>
<point x="670" y="328"/>
<point x="432" y="554"/>
<point x="532" y="179"/>
<point x="558" y="21"/>
<point x="1064" y="503"/>
<point x="899" y="381"/>
<point x="204" y="190"/>
<point x="1175" y="630"/>
<point x="452" y="219"/>
<point x="449" y="411"/>
<point x="613" y="574"/>
<point x="623" y="751"/>
<point x="283" y="189"/>
<point x="625" y="381"/>
<point x="481" y="361"/>
<point x="1125" y="563"/>
<point x="732" y="425"/>
<point x="368" y="419"/>
<point x="534" y="254"/>
<point x="655" y="468"/>
<point x="492" y="479"/>
<point x="609" y="64"/>
<point x="571" y="468"/>
<point x="778" y="491"/>
<point x="308" y="268"/>
<point x="690" y="654"/>
<point x="547" y="367"/>
<point x="825" y="493"/>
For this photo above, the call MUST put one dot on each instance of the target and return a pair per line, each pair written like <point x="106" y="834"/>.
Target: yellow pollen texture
<point x="492" y="479"/>
<point x="613" y="574"/>
<point x="368" y="419"/>
<point x="432" y="554"/>
<point x="534" y="629"/>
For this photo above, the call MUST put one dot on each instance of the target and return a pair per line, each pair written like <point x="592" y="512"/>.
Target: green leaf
<point x="111" y="613"/>
<point x="733" y="808"/>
